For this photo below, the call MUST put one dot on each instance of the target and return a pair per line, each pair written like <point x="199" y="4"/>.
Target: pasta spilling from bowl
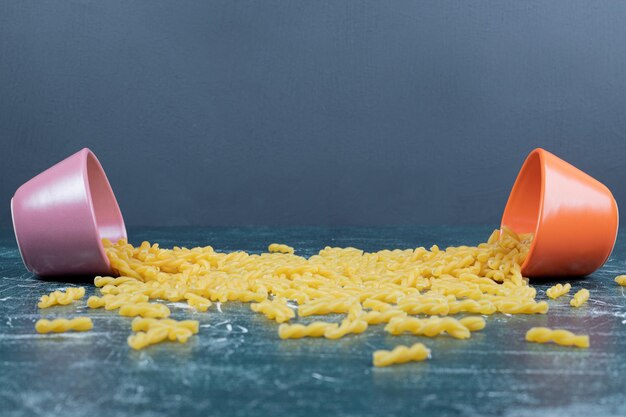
<point x="412" y="291"/>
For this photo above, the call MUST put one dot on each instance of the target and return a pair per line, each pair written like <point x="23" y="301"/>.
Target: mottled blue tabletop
<point x="237" y="365"/>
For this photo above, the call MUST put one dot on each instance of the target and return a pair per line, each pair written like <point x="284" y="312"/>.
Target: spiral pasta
<point x="276" y="309"/>
<point x="197" y="302"/>
<point x="297" y="331"/>
<point x="78" y="324"/>
<point x="473" y="323"/>
<point x="621" y="280"/>
<point x="430" y="327"/>
<point x="558" y="336"/>
<point x="152" y="336"/>
<point x="179" y="331"/>
<point x="558" y="290"/>
<point x="347" y="326"/>
<point x="367" y="288"/>
<point x="401" y="354"/>
<point x="580" y="298"/>
<point x="279" y="248"/>
<point x="61" y="298"/>
<point x="152" y="310"/>
<point x="113" y="302"/>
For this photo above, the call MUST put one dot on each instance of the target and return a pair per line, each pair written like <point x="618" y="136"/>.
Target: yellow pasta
<point x="621" y="280"/>
<point x="153" y="336"/>
<point x="151" y="310"/>
<point x="197" y="302"/>
<point x="558" y="336"/>
<point x="278" y="248"/>
<point x="558" y="290"/>
<point x="377" y="317"/>
<point x="521" y="306"/>
<point x="297" y="331"/>
<point x="401" y="354"/>
<point x="61" y="298"/>
<point x="389" y="284"/>
<point x="113" y="302"/>
<point x="276" y="309"/>
<point x="580" y="298"/>
<point x="79" y="324"/>
<point x="473" y="323"/>
<point x="347" y="326"/>
<point x="179" y="331"/>
<point x="429" y="327"/>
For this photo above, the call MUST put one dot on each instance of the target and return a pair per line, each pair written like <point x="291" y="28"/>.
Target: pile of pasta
<point x="413" y="291"/>
<point x="388" y="287"/>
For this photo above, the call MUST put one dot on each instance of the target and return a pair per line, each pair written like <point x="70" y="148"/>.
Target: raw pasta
<point x="401" y="354"/>
<point x="61" y="298"/>
<point x="79" y="324"/>
<point x="558" y="290"/>
<point x="279" y="248"/>
<point x="580" y="298"/>
<point x="558" y="336"/>
<point x="367" y="288"/>
<point x="197" y="302"/>
<point x="276" y="309"/>
<point x="297" y="331"/>
<point x="430" y="327"/>
<point x="621" y="280"/>
<point x="152" y="310"/>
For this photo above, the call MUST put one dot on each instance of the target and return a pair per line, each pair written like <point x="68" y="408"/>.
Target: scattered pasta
<point x="621" y="280"/>
<point x="580" y="298"/>
<point x="558" y="290"/>
<point x="401" y="354"/>
<point x="558" y="336"/>
<point x="61" y="298"/>
<point x="79" y="324"/>
<point x="385" y="287"/>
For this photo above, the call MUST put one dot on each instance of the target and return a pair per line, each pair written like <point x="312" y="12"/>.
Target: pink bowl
<point x="61" y="216"/>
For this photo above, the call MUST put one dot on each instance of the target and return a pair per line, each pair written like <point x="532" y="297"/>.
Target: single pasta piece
<point x="113" y="302"/>
<point x="558" y="290"/>
<point x="144" y="339"/>
<point x="197" y="302"/>
<point x="521" y="306"/>
<point x="61" y="298"/>
<point x="276" y="309"/>
<point x="347" y="326"/>
<point x="473" y="323"/>
<point x="78" y="324"/>
<point x="430" y="327"/>
<point x="277" y="247"/>
<point x="102" y="281"/>
<point x="558" y="336"/>
<point x="621" y="280"/>
<point x="151" y="310"/>
<point x="297" y="331"/>
<point x="401" y="354"/>
<point x="377" y="317"/>
<point x="580" y="298"/>
<point x="326" y="306"/>
<point x="142" y="324"/>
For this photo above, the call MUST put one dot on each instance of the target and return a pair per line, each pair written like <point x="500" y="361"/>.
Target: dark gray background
<point x="311" y="112"/>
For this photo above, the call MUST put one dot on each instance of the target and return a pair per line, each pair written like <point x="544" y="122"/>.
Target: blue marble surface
<point x="237" y="365"/>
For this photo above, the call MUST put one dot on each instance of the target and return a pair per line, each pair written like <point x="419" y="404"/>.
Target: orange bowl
<point x="574" y="217"/>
